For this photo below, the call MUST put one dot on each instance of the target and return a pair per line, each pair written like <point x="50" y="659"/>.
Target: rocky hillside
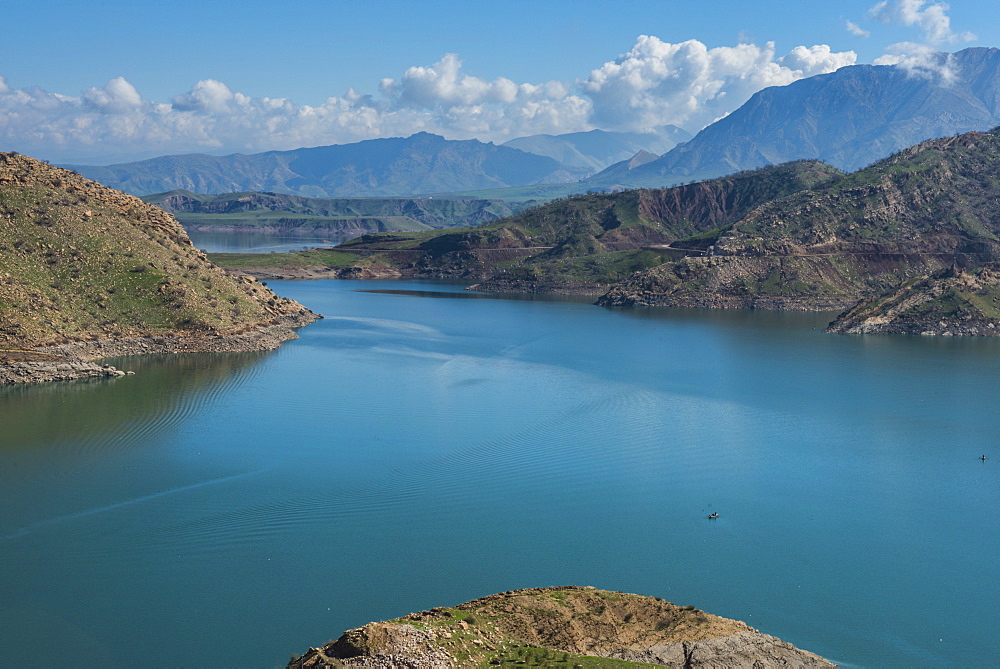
<point x="951" y="302"/>
<point x="422" y="163"/>
<point x="849" y="119"/>
<point x="926" y="208"/>
<point x="89" y="271"/>
<point x="555" y="627"/>
<point x="581" y="244"/>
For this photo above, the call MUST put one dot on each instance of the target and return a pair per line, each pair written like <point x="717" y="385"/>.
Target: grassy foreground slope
<point x="82" y="262"/>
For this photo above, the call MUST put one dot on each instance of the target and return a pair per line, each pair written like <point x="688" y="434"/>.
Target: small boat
<point x="713" y="515"/>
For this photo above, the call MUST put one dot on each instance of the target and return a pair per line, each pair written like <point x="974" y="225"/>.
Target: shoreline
<point x="78" y="360"/>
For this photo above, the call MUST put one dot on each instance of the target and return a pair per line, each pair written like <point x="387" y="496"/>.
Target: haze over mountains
<point x="849" y="118"/>
<point x="597" y="149"/>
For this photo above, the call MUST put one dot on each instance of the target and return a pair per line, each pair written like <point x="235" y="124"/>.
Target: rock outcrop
<point x="952" y="302"/>
<point x="564" y="624"/>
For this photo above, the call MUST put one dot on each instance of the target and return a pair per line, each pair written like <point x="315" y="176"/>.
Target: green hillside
<point x="79" y="261"/>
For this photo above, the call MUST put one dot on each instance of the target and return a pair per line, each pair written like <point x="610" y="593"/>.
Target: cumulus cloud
<point x="931" y="18"/>
<point x="655" y="83"/>
<point x="856" y="30"/>
<point x="920" y="58"/>
<point x="690" y="85"/>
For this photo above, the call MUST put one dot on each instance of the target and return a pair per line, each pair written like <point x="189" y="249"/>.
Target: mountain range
<point x="421" y="163"/>
<point x="802" y="235"/>
<point x="849" y="119"/>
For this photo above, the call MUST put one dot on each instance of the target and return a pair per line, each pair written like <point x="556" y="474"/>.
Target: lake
<point x="424" y="446"/>
<point x="254" y="242"/>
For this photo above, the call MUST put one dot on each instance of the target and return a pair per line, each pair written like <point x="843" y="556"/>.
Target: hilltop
<point x="563" y="626"/>
<point x="88" y="272"/>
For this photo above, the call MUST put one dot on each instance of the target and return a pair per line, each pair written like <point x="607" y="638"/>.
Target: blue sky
<point x="98" y="82"/>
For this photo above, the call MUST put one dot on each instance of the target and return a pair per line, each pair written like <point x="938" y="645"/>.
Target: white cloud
<point x="208" y="95"/>
<point x="931" y="18"/>
<point x="856" y="30"/>
<point x="690" y="85"/>
<point x="117" y="96"/>
<point x="655" y="83"/>
<point x="920" y="58"/>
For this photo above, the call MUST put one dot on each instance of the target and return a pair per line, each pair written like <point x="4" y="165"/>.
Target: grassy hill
<point x="80" y="262"/>
<point x="926" y="208"/>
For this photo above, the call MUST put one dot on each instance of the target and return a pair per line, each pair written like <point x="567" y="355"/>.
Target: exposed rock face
<point x="88" y="272"/>
<point x="951" y="302"/>
<point x="573" y="620"/>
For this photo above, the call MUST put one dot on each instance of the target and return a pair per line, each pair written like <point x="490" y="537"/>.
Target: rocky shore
<point x="952" y="302"/>
<point x="562" y="626"/>
<point x="76" y="360"/>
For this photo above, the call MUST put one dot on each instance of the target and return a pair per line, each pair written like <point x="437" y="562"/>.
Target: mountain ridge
<point x="421" y="163"/>
<point x="849" y="118"/>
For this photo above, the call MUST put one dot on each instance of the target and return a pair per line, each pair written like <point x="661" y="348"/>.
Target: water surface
<point x="410" y="452"/>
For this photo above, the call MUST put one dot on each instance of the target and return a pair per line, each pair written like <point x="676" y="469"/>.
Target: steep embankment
<point x="926" y="208"/>
<point x="87" y="272"/>
<point x="952" y="302"/>
<point x="565" y="626"/>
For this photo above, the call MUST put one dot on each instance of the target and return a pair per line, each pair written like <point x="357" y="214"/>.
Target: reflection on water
<point x="251" y="242"/>
<point x="98" y="413"/>
<point x="410" y="452"/>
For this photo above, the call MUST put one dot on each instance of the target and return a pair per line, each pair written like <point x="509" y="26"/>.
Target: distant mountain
<point x="849" y="119"/>
<point x="597" y="149"/>
<point x="620" y="173"/>
<point x="421" y="163"/>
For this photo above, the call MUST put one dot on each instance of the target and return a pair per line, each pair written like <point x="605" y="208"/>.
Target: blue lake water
<point x="423" y="446"/>
<point x="252" y="242"/>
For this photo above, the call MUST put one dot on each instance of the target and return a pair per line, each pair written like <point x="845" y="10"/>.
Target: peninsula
<point x="87" y="272"/>
<point x="566" y="626"/>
